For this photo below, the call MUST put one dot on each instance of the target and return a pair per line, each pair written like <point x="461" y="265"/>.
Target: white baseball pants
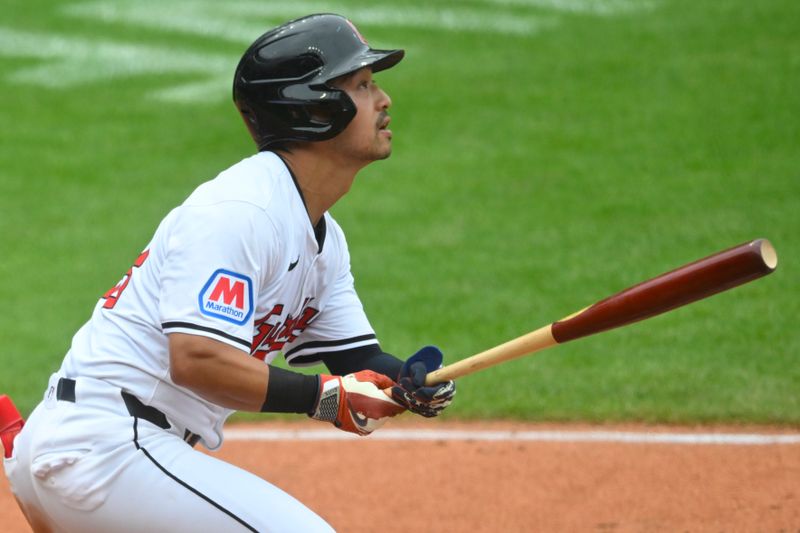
<point x="88" y="465"/>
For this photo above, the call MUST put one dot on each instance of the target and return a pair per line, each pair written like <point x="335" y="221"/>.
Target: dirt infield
<point x="473" y="485"/>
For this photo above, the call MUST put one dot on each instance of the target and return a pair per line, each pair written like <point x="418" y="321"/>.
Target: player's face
<point x="367" y="137"/>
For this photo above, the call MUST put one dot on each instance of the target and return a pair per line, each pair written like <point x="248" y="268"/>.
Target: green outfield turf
<point x="547" y="153"/>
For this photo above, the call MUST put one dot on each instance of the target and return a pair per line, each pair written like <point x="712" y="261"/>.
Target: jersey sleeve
<point x="215" y="261"/>
<point x="341" y="325"/>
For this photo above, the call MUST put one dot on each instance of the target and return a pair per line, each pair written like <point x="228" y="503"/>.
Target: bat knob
<point x="768" y="253"/>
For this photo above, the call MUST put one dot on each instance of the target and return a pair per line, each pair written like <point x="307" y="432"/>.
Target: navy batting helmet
<point x="281" y="84"/>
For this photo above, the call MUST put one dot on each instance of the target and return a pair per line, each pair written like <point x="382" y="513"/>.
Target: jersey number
<point x="112" y="295"/>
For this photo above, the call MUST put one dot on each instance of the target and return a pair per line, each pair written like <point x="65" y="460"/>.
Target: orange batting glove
<point x="355" y="402"/>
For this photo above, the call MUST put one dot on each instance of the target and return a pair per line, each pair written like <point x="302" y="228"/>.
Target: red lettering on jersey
<point x="260" y="354"/>
<point x="302" y="323"/>
<point x="272" y="337"/>
<point x="263" y="331"/>
<point x="112" y="295"/>
<point x="229" y="294"/>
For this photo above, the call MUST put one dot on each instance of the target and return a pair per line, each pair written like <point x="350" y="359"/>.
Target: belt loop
<point x="191" y="438"/>
<point x="66" y="390"/>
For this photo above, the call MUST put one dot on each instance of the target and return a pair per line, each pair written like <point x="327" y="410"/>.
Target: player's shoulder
<point x="244" y="199"/>
<point x="259" y="181"/>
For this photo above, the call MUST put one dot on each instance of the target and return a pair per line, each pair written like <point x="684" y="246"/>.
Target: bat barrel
<point x="684" y="285"/>
<point x="689" y="283"/>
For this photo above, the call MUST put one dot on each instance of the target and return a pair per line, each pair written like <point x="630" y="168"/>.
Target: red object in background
<point x="10" y="423"/>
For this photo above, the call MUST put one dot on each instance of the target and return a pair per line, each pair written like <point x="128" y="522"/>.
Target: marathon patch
<point x="227" y="296"/>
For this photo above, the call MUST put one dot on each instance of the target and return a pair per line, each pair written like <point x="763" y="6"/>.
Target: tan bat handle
<point x="529" y="343"/>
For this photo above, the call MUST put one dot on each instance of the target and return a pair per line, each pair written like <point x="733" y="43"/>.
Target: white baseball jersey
<point x="238" y="262"/>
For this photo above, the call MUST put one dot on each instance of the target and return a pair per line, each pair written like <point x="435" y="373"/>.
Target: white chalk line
<point x="564" y="436"/>
<point x="68" y="61"/>
<point x="242" y="22"/>
<point x="594" y="7"/>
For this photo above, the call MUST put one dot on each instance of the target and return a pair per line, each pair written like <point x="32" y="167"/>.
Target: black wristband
<point x="290" y="392"/>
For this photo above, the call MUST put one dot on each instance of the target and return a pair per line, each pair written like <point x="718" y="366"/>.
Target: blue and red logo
<point x="228" y="296"/>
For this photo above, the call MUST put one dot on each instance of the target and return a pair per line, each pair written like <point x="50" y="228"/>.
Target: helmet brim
<point x="384" y="59"/>
<point x="377" y="60"/>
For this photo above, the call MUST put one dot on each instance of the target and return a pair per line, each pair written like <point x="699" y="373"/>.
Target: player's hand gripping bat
<point x="689" y="283"/>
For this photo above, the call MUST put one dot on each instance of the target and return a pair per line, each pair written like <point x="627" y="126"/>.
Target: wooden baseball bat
<point x="689" y="283"/>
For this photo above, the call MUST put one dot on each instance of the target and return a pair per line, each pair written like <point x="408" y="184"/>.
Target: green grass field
<point x="547" y="153"/>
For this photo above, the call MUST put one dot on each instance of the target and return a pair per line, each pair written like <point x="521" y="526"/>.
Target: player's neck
<point x="323" y="180"/>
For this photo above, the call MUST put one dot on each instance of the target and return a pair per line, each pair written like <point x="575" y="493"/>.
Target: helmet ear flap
<point x="318" y="121"/>
<point x="328" y="115"/>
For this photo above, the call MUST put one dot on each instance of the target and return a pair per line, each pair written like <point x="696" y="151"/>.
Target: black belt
<point x="66" y="392"/>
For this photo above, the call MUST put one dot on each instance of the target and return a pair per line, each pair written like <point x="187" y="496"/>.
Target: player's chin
<point x="385" y="149"/>
<point x="386" y="152"/>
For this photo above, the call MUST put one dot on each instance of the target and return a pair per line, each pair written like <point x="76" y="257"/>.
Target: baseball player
<point x="250" y="266"/>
